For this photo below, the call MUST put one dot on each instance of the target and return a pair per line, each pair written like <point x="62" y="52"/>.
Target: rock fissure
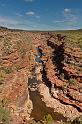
<point x="40" y="73"/>
<point x="59" y="75"/>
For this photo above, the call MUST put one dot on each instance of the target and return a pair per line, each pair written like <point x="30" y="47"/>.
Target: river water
<point x="39" y="107"/>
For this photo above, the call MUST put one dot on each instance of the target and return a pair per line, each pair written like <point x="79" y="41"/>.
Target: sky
<point x="41" y="14"/>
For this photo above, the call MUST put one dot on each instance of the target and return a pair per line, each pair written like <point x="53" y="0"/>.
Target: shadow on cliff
<point x="58" y="59"/>
<point x="45" y="79"/>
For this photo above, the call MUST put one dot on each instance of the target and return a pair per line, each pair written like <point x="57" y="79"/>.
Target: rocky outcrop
<point x="14" y="70"/>
<point x="59" y="73"/>
<point x="61" y="70"/>
<point x="66" y="110"/>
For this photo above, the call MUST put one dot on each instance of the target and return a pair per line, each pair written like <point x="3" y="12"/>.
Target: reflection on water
<point x="39" y="55"/>
<point x="38" y="59"/>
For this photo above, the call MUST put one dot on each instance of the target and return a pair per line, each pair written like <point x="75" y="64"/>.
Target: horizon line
<point x="8" y="28"/>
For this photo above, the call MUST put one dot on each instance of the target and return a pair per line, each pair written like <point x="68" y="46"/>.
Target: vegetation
<point x="21" y="48"/>
<point x="64" y="88"/>
<point x="4" y="112"/>
<point x="17" y="67"/>
<point x="47" y="118"/>
<point x="4" y="116"/>
<point x="72" y="81"/>
<point x="2" y="78"/>
<point x="8" y="69"/>
<point x="7" y="47"/>
<point x="62" y="76"/>
<point x="23" y="44"/>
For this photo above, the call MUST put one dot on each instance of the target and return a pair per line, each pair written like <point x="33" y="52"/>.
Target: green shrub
<point x="17" y="67"/>
<point x="7" y="47"/>
<point x="21" y="48"/>
<point x="62" y="76"/>
<point x="4" y="112"/>
<point x="4" y="116"/>
<point x="8" y="70"/>
<point x="64" y="88"/>
<point x="1" y="79"/>
<point x="3" y="102"/>
<point x="72" y="81"/>
<point x="47" y="118"/>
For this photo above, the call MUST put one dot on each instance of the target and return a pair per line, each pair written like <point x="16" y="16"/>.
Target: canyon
<point x="40" y="74"/>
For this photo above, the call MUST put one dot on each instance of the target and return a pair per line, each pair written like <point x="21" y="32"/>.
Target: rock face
<point x="62" y="74"/>
<point x="59" y="73"/>
<point x="14" y="71"/>
<point x="67" y="111"/>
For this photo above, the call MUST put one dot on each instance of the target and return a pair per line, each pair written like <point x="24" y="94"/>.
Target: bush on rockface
<point x="47" y="118"/>
<point x="4" y="113"/>
<point x="2" y="78"/>
<point x="4" y="116"/>
<point x="72" y="81"/>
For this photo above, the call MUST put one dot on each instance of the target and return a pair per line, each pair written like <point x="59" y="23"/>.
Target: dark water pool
<point x="39" y="55"/>
<point x="40" y="109"/>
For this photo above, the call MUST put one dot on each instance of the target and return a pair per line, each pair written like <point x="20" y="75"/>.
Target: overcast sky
<point x="41" y="14"/>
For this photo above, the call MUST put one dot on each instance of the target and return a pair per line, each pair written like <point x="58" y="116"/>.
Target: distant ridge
<point x="1" y="27"/>
<point x="12" y="29"/>
<point x="80" y="29"/>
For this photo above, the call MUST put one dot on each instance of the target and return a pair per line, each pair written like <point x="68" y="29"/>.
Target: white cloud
<point x="65" y="22"/>
<point x="19" y="15"/>
<point x="70" y="16"/>
<point x="67" y="10"/>
<point x="58" y="21"/>
<point x="30" y="13"/>
<point x="28" y="0"/>
<point x="7" y="21"/>
<point x="15" y="23"/>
